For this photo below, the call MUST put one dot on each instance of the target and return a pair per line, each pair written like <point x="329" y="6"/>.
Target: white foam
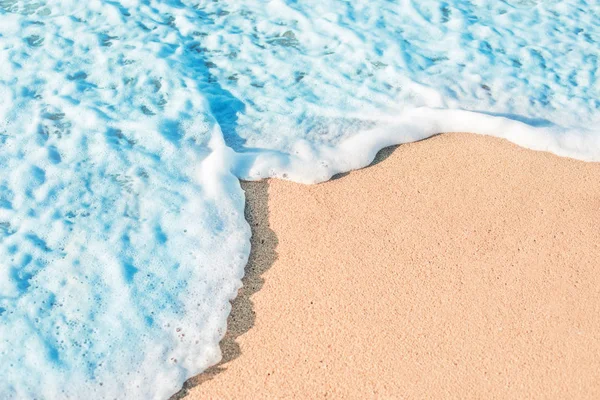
<point x="124" y="126"/>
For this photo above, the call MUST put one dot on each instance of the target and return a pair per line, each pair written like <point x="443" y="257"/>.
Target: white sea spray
<point x="125" y="125"/>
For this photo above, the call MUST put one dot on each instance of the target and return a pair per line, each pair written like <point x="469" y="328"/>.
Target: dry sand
<point x="461" y="266"/>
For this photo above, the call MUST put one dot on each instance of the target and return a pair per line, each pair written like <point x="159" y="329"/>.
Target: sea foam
<point x="125" y="125"/>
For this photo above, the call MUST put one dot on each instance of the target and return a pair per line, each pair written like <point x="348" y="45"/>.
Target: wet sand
<point x="461" y="266"/>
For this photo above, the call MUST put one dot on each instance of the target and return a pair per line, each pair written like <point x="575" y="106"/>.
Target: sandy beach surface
<point x="461" y="266"/>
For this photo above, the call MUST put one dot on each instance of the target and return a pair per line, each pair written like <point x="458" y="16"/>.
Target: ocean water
<point x="126" y="124"/>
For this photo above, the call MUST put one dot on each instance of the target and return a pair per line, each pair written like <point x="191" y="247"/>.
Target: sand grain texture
<point x="461" y="266"/>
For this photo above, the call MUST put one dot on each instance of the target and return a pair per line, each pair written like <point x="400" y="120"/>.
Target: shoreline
<point x="462" y="297"/>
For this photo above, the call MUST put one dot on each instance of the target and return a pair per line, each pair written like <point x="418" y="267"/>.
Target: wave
<point x="125" y="126"/>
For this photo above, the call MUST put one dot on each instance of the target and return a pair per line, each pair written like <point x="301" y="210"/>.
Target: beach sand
<point x="461" y="266"/>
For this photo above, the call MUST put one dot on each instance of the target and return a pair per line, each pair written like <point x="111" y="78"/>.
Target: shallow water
<point x="125" y="125"/>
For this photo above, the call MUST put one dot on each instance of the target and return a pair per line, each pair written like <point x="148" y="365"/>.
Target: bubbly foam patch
<point x="124" y="126"/>
<point x="122" y="230"/>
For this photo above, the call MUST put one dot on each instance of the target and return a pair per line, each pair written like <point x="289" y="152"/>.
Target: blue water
<point x="125" y="125"/>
